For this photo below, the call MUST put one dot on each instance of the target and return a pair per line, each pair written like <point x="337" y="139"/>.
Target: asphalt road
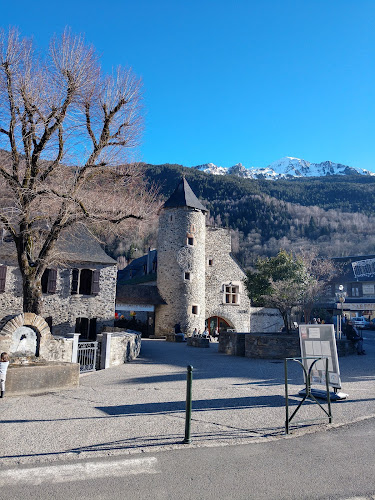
<point x="337" y="463"/>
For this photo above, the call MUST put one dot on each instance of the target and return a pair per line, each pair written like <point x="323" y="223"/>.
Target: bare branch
<point x="56" y="111"/>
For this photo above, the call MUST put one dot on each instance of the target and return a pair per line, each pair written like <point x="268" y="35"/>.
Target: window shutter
<point x="75" y="276"/>
<point x="52" y="278"/>
<point x="3" y="275"/>
<point x="95" y="282"/>
<point x="78" y="326"/>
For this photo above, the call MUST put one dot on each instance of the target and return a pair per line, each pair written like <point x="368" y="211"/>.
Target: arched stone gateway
<point x="26" y="336"/>
<point x="217" y="322"/>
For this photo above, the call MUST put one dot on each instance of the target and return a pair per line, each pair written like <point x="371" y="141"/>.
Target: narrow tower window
<point x="194" y="309"/>
<point x="190" y="239"/>
<point x="187" y="275"/>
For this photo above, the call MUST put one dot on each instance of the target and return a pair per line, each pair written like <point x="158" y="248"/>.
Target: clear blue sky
<point x="229" y="81"/>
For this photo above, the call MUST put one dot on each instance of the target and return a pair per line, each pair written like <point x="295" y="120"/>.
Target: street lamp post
<point x="341" y="296"/>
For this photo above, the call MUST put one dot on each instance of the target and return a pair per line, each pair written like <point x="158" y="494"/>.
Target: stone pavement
<point x="140" y="406"/>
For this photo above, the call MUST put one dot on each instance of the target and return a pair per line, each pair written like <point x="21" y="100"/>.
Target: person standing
<point x="4" y="363"/>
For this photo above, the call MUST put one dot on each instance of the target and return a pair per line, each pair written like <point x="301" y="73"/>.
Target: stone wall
<point x="175" y="258"/>
<point x="265" y="320"/>
<point x="124" y="345"/>
<point x="268" y="346"/>
<point x="221" y="269"/>
<point x="232" y="343"/>
<point x="63" y="307"/>
<point x="34" y="379"/>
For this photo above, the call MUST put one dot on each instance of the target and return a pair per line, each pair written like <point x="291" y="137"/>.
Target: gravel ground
<point x="140" y="406"/>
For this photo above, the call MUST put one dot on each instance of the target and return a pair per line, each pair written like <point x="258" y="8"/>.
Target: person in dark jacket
<point x="352" y="335"/>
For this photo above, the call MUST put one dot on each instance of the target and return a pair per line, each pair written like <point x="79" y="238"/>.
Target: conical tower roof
<point x="183" y="196"/>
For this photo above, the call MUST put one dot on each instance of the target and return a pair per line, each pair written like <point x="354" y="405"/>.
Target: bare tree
<point x="322" y="271"/>
<point x="69" y="131"/>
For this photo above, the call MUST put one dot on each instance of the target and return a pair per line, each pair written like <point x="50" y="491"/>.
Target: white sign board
<point x="319" y="341"/>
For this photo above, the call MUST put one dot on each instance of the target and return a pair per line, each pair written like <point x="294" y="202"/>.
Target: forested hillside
<point x="334" y="214"/>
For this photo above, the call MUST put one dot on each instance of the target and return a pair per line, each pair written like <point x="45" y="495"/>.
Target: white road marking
<point x="372" y="497"/>
<point x="78" y="471"/>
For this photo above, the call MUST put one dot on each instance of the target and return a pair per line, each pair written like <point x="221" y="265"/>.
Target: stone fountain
<point x="39" y="362"/>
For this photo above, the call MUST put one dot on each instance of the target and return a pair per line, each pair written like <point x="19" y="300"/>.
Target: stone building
<point x="78" y="296"/>
<point x="195" y="278"/>
<point x="352" y="291"/>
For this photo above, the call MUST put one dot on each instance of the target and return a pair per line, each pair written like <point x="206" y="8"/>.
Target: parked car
<point x="361" y="322"/>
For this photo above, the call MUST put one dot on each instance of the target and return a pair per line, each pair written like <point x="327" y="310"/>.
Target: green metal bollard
<point x="189" y="383"/>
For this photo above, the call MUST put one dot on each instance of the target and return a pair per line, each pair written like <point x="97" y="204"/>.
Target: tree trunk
<point x="32" y="295"/>
<point x="284" y="315"/>
<point x="307" y="313"/>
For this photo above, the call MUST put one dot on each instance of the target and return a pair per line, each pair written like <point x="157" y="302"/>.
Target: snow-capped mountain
<point x="285" y="168"/>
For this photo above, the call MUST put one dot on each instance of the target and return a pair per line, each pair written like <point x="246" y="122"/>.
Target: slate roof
<point x="81" y="246"/>
<point x="139" y="270"/>
<point x="138" y="294"/>
<point x="77" y="245"/>
<point x="183" y="196"/>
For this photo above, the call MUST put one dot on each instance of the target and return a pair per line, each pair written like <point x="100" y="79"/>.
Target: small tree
<point x="279" y="282"/>
<point x="58" y="110"/>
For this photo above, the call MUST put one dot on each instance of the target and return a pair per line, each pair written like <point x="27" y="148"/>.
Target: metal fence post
<point x="189" y="383"/>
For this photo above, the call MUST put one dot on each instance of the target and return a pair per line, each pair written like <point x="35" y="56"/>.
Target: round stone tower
<point x="181" y="262"/>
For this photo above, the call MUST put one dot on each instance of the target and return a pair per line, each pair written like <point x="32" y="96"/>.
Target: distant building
<point x="78" y="296"/>
<point x="192" y="280"/>
<point x="357" y="279"/>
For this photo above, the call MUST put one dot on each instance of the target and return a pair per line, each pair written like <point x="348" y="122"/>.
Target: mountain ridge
<point x="285" y="168"/>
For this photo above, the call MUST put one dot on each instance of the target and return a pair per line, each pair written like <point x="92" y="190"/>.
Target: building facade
<point x="352" y="292"/>
<point x="78" y="296"/>
<point x="197" y="278"/>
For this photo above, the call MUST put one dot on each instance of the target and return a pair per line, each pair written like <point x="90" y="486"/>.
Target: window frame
<point x="49" y="281"/>
<point x="90" y="286"/>
<point x="196" y="308"/>
<point x="190" y="240"/>
<point x="231" y="293"/>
